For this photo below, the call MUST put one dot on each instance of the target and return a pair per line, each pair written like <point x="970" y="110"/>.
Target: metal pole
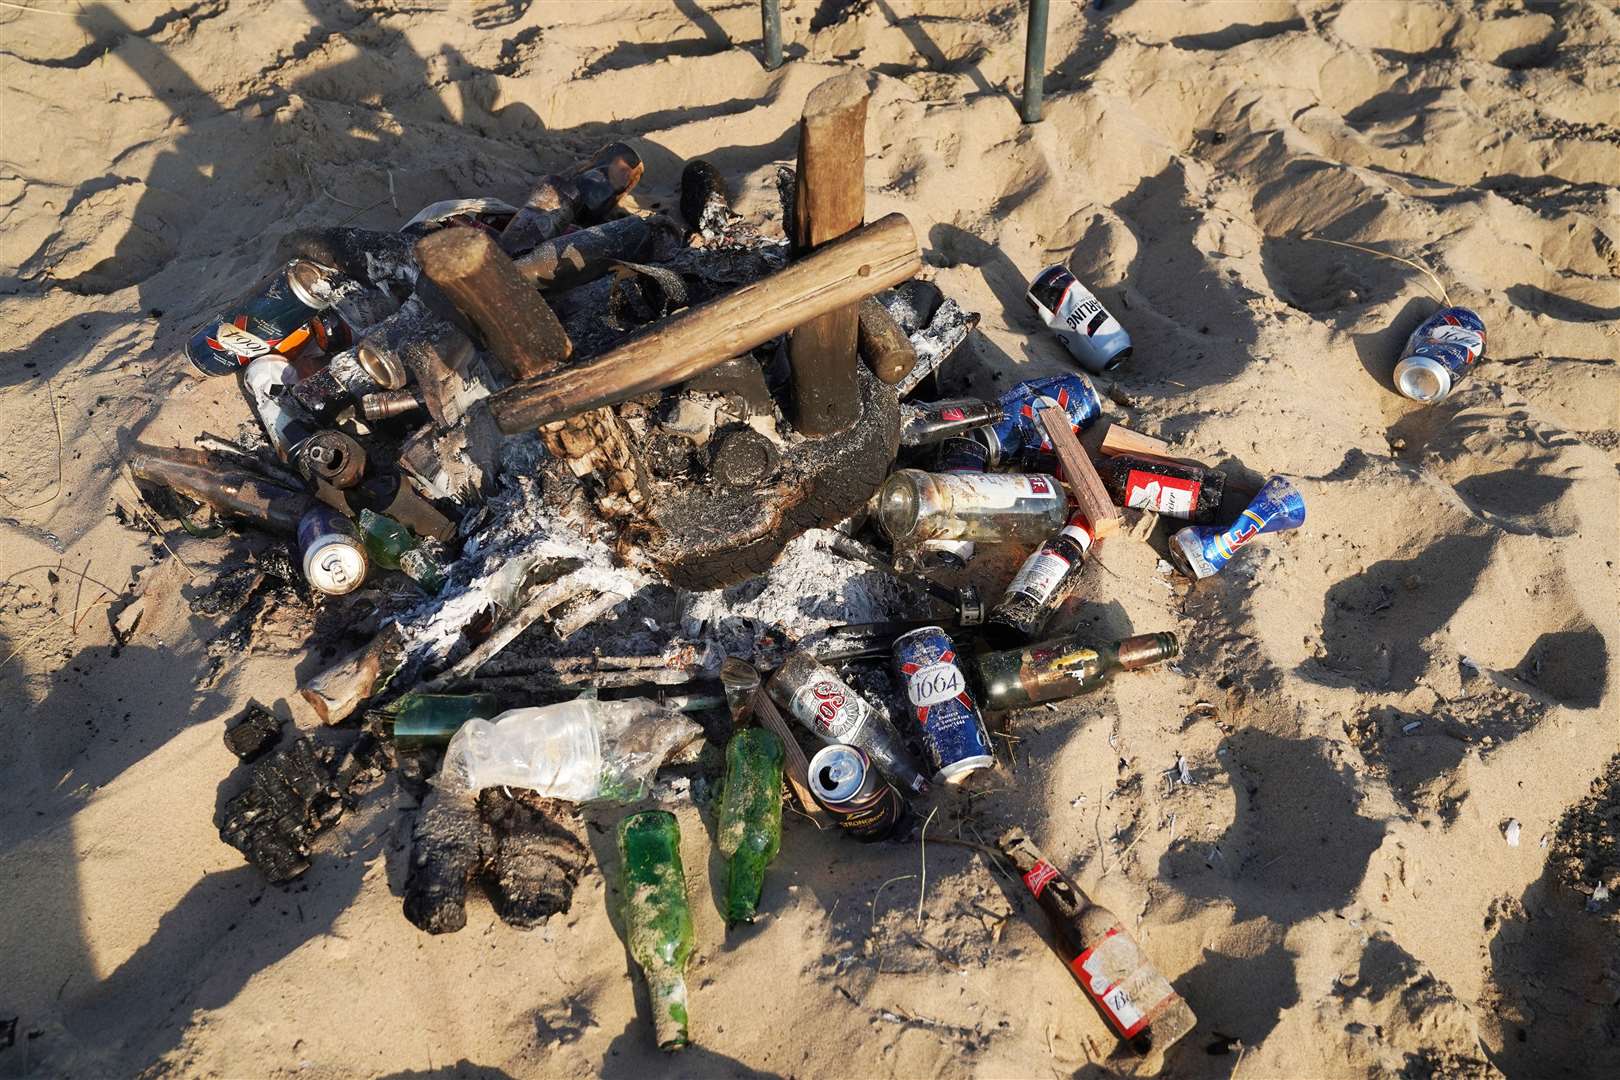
<point x="1034" y="61"/>
<point x="770" y="15"/>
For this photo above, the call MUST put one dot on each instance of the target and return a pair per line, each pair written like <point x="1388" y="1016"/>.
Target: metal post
<point x="770" y="14"/>
<point x="1034" y="61"/>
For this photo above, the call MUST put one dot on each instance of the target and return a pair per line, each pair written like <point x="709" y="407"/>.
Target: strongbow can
<point x="1439" y="353"/>
<point x="330" y="549"/>
<point x="1020" y="439"/>
<point x="1093" y="337"/>
<point x="275" y="319"/>
<point x="864" y="804"/>
<point x="953" y="734"/>
<point x="1202" y="552"/>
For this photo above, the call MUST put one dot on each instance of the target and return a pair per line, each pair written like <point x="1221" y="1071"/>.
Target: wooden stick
<point x="1080" y="475"/>
<point x="886" y="347"/>
<point x="829" y="201"/>
<point x="517" y="326"/>
<point x="582" y="195"/>
<point x="850" y="268"/>
<point x="1118" y="439"/>
<point x="338" y="691"/>
<point x="585" y="254"/>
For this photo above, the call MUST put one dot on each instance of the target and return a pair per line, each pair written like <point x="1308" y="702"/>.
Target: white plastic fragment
<point x="1510" y="832"/>
<point x="1413" y="726"/>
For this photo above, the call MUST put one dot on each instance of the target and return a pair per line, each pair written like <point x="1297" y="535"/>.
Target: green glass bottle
<point x="658" y="921"/>
<point x="430" y="719"/>
<point x="393" y="547"/>
<point x="750" y="832"/>
<point x="1064" y="667"/>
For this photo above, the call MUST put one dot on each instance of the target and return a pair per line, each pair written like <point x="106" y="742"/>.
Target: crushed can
<point x="1020" y="439"/>
<point x="1093" y="337"/>
<point x="1439" y="353"/>
<point x="275" y="319"/>
<point x="1200" y="551"/>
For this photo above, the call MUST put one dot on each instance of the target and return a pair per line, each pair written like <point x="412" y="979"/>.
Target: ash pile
<point x="614" y="496"/>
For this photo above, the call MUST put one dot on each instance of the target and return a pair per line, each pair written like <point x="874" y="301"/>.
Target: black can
<point x="865" y="805"/>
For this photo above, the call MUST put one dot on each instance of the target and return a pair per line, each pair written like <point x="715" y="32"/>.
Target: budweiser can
<point x="864" y="804"/>
<point x="953" y="734"/>
<point x="275" y="319"/>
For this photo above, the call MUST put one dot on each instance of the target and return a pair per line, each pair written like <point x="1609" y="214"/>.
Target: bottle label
<point x="997" y="491"/>
<point x="1164" y="494"/>
<point x="834" y="711"/>
<point x="1039" y="876"/>
<point x="934" y="684"/>
<point x="233" y="339"/>
<point x="1040" y="575"/>
<point x="1129" y="989"/>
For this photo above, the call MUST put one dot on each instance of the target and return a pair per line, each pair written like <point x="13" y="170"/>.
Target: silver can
<point x="331" y="552"/>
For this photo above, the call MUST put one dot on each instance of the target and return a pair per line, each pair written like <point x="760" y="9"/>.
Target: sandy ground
<point x="1333" y="894"/>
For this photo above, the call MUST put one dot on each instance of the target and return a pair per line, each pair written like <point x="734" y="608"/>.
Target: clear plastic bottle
<point x="583" y="750"/>
<point x="915" y="506"/>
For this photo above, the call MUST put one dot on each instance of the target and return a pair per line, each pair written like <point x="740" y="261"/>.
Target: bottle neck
<point x="667" y="990"/>
<point x="1140" y="651"/>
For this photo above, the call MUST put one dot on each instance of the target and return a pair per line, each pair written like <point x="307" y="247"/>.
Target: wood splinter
<point x="1080" y="475"/>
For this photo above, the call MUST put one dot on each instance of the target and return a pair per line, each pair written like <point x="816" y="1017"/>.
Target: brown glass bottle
<point x="1137" y="1001"/>
<point x="1190" y="492"/>
<point x="1063" y="667"/>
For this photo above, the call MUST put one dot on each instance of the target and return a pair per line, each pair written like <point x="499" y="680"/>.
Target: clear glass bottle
<point x="915" y="506"/>
<point x="825" y="704"/>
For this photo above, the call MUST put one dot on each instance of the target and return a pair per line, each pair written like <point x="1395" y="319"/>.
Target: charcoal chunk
<point x="254" y="732"/>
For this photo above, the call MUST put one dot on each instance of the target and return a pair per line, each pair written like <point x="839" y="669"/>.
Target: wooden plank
<point x="518" y="328"/>
<point x="1080" y="475"/>
<point x="872" y="258"/>
<point x="1119" y="439"/>
<point x="829" y="200"/>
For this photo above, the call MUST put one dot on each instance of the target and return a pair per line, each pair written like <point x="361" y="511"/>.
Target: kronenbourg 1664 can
<point x="1439" y="353"/>
<point x="1021" y="437"/>
<point x="864" y="804"/>
<point x="275" y="319"/>
<point x="953" y="734"/>
<point x="1201" y="552"/>
<point x="1093" y="337"/>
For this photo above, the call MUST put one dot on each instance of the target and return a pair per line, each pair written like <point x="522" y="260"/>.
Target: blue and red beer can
<point x="1020" y="439"/>
<point x="953" y="733"/>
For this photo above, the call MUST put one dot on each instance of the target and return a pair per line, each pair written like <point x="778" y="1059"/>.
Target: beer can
<point x="1093" y="337"/>
<point x="864" y="804"/>
<point x="1439" y="353"/>
<point x="953" y="733"/>
<point x="275" y="319"/>
<point x="1021" y="438"/>
<point x="269" y="381"/>
<point x="330" y="551"/>
<point x="1200" y="551"/>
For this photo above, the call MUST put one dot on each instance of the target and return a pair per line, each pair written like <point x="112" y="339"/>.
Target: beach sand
<point x="1429" y="658"/>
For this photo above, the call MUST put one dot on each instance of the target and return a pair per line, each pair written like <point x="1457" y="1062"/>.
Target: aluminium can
<point x="864" y="804"/>
<point x="275" y="319"/>
<point x="1093" y="337"/>
<point x="1020" y="439"/>
<point x="331" y="552"/>
<point x="953" y="733"/>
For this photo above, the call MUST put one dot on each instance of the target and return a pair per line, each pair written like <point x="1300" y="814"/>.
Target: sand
<point x="1429" y="658"/>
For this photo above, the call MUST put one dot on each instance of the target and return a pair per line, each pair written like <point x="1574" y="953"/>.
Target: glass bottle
<point x="750" y="829"/>
<point x="915" y="506"/>
<point x="1190" y="492"/>
<point x="1041" y="585"/>
<point x="822" y="702"/>
<point x="658" y="920"/>
<point x="930" y="422"/>
<point x="1064" y="667"/>
<point x="1137" y="1001"/>
<point x="431" y="719"/>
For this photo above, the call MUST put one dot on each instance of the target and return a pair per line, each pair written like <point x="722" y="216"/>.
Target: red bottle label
<point x="1128" y="989"/>
<point x="1162" y="494"/>
<point x="1039" y="876"/>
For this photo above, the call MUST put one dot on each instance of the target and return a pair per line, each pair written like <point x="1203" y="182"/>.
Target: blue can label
<point x="1021" y="437"/>
<point x="1448" y="335"/>
<point x="1205" y="551"/>
<point x="953" y="732"/>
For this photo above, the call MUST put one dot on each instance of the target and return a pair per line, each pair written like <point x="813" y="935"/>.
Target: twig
<point x="1444" y="295"/>
<point x="157" y="532"/>
<point x="78" y="592"/>
<point x="56" y="415"/>
<point x="923" y="850"/>
<point x="985" y="849"/>
<point x="31" y="638"/>
<point x="311" y="174"/>
<point x="391" y="196"/>
<point x="35" y="10"/>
